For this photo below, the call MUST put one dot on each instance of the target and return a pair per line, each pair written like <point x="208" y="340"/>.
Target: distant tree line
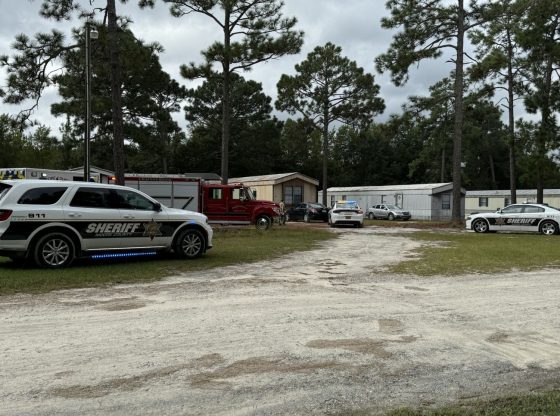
<point x="468" y="129"/>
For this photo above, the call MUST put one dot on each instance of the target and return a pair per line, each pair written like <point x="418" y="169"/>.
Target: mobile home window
<point x="483" y="201"/>
<point x="293" y="195"/>
<point x="446" y="201"/>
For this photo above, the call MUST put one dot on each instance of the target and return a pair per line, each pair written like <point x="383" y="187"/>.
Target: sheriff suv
<point x="53" y="222"/>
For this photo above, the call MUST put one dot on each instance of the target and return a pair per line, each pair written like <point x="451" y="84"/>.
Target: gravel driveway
<point x="310" y="333"/>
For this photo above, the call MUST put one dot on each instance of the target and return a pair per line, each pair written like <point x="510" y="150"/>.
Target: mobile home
<point x="430" y="201"/>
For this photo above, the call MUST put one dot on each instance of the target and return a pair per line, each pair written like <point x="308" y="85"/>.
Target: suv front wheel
<point x="54" y="250"/>
<point x="190" y="244"/>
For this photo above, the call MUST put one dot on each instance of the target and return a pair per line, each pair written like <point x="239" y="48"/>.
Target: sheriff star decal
<point x="500" y="221"/>
<point x="152" y="229"/>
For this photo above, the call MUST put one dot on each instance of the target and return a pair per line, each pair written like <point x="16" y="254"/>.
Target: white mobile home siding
<point x="491" y="200"/>
<point x="424" y="201"/>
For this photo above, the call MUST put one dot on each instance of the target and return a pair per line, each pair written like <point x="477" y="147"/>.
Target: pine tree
<point x="427" y="28"/>
<point x="329" y="88"/>
<point x="254" y="31"/>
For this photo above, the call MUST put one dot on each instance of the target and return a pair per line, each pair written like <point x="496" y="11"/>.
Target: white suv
<point x="53" y="222"/>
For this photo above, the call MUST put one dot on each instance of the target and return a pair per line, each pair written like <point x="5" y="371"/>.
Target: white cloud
<point x="353" y="25"/>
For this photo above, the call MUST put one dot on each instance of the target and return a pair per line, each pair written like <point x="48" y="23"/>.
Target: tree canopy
<point x="329" y="88"/>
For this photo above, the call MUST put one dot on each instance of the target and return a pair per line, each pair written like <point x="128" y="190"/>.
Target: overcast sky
<point x="353" y="25"/>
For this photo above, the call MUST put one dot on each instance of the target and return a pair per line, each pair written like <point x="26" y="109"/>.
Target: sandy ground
<point x="313" y="333"/>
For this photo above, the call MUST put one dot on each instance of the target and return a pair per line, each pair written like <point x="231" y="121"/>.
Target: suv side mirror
<point x="499" y="210"/>
<point x="157" y="207"/>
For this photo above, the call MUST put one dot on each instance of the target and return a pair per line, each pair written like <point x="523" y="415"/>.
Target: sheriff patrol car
<point x="54" y="222"/>
<point x="346" y="213"/>
<point x="517" y="217"/>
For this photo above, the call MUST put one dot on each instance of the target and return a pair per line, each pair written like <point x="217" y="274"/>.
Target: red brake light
<point x="5" y="214"/>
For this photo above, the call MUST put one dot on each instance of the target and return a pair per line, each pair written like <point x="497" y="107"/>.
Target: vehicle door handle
<point x="74" y="215"/>
<point x="128" y="217"/>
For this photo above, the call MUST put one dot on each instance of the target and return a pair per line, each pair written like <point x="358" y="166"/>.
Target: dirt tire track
<point x="309" y="333"/>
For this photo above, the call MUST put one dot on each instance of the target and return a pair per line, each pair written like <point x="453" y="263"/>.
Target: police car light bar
<point x="121" y="255"/>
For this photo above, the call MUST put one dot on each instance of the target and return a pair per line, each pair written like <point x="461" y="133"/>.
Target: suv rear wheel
<point x="54" y="251"/>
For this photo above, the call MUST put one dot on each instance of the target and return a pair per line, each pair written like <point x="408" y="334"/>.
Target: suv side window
<point x="133" y="200"/>
<point x="42" y="196"/>
<point x="95" y="198"/>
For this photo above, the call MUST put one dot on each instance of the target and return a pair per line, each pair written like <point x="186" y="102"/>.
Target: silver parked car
<point x="388" y="211"/>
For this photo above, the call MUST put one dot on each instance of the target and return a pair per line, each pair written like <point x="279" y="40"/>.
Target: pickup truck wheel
<point x="263" y="223"/>
<point x="371" y="216"/>
<point x="54" y="251"/>
<point x="190" y="244"/>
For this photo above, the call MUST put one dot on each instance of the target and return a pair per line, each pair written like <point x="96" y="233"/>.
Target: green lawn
<point x="231" y="246"/>
<point x="454" y="253"/>
<point x="533" y="404"/>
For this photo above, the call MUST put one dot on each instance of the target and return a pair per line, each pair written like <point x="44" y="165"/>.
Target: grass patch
<point x="538" y="404"/>
<point x="421" y="224"/>
<point x="454" y="253"/>
<point x="532" y="404"/>
<point x="231" y="246"/>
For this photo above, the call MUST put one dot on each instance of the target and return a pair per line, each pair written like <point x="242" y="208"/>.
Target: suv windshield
<point x="393" y="207"/>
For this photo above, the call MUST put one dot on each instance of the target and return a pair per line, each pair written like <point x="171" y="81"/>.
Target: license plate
<point x="348" y="217"/>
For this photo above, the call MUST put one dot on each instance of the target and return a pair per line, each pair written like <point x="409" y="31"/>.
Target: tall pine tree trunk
<point x="325" y="149"/>
<point x="116" y="99"/>
<point x="544" y="131"/>
<point x="164" y="146"/>
<point x="511" y="126"/>
<point x="492" y="171"/>
<point x="226" y="104"/>
<point x="442" y="173"/>
<point x="456" y="213"/>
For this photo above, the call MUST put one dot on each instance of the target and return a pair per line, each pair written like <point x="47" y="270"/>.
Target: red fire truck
<point x="222" y="204"/>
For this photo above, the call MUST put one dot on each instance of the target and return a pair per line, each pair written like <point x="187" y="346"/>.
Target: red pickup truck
<point x="222" y="204"/>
